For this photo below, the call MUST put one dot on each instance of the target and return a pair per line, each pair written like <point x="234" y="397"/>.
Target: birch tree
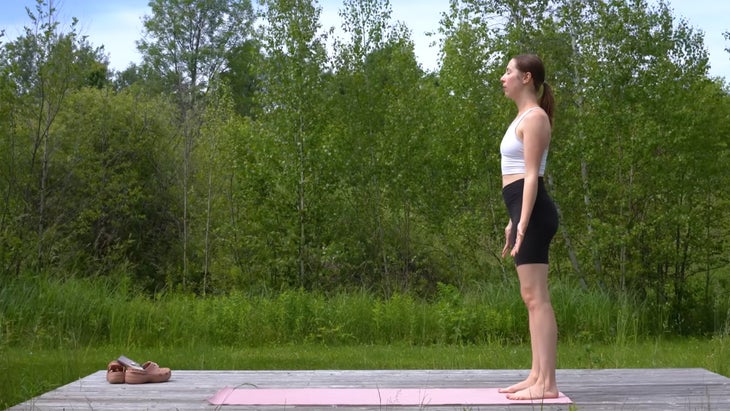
<point x="185" y="43"/>
<point x="295" y="58"/>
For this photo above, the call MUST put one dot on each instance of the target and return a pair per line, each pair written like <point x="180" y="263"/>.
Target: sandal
<point x="115" y="373"/>
<point x="151" y="372"/>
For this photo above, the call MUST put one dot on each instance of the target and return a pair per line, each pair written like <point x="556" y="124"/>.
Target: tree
<point x="186" y="43"/>
<point x="375" y="67"/>
<point x="11" y="204"/>
<point x="628" y="75"/>
<point x="116" y="215"/>
<point x="43" y="66"/>
<point x="241" y="76"/>
<point x="295" y="60"/>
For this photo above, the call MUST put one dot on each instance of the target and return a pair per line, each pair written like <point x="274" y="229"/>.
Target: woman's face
<point x="512" y="80"/>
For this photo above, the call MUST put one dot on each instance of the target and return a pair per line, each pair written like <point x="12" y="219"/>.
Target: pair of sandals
<point x="124" y="370"/>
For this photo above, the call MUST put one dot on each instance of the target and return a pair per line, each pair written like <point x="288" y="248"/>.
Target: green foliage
<point x="115" y="208"/>
<point x="287" y="159"/>
<point x="39" y="70"/>
<point x="240" y="75"/>
<point x="643" y="214"/>
<point x="186" y="41"/>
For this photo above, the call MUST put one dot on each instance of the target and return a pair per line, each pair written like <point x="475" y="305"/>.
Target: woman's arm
<point x="534" y="130"/>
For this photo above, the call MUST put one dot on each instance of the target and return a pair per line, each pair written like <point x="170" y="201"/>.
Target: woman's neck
<point x="525" y="104"/>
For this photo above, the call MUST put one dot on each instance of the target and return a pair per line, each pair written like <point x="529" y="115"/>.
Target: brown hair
<point x="530" y="63"/>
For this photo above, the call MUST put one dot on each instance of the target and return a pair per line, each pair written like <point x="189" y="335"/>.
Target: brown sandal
<point x="151" y="373"/>
<point x="115" y="373"/>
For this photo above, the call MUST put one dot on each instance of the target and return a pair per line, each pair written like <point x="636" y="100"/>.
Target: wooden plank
<point x="604" y="389"/>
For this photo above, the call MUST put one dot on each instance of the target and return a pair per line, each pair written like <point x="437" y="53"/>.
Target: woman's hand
<point x="520" y="236"/>
<point x="507" y="236"/>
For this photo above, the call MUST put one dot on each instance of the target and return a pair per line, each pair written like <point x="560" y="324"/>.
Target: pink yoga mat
<point x="369" y="396"/>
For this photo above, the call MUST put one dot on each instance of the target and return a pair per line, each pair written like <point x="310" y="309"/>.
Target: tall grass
<point x="54" y="313"/>
<point x="53" y="331"/>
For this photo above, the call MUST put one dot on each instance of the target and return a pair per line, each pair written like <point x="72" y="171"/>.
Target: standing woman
<point x="533" y="216"/>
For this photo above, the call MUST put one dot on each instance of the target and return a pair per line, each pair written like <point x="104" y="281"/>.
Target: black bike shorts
<point x="542" y="226"/>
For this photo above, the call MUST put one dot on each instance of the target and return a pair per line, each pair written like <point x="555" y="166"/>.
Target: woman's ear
<point x="526" y="77"/>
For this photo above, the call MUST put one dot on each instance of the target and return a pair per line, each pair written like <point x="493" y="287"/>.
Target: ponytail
<point x="547" y="101"/>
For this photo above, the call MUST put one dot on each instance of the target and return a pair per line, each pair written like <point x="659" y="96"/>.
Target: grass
<point x="39" y="313"/>
<point x="39" y="371"/>
<point x="53" y="332"/>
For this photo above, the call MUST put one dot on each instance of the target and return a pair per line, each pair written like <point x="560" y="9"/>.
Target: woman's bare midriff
<point x="511" y="178"/>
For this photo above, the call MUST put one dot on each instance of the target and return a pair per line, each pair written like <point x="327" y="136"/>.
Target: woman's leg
<point x="541" y="382"/>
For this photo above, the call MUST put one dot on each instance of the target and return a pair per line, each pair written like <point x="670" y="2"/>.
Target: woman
<point x="533" y="216"/>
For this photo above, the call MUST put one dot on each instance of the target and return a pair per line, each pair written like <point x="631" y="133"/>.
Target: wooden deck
<point x="613" y="389"/>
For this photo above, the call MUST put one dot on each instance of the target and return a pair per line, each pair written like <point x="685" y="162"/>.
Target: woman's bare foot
<point x="535" y="392"/>
<point x="527" y="383"/>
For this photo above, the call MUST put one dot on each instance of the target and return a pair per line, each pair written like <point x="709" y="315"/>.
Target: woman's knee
<point x="534" y="297"/>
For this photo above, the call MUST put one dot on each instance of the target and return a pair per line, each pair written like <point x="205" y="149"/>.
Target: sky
<point x="117" y="25"/>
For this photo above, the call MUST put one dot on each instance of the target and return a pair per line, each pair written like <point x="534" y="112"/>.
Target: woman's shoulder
<point x="536" y="112"/>
<point x="535" y="123"/>
<point x="536" y="116"/>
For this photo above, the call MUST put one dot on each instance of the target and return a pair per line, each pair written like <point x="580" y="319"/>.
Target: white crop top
<point x="513" y="150"/>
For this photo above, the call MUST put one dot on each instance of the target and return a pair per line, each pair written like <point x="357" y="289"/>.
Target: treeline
<point x="254" y="149"/>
